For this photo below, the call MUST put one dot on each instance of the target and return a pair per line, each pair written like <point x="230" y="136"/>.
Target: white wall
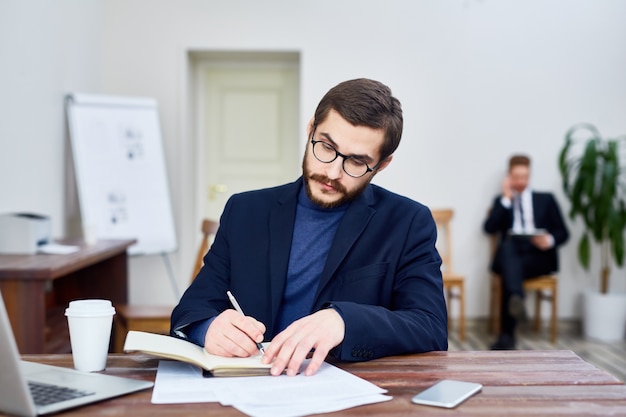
<point x="46" y="50"/>
<point x="478" y="80"/>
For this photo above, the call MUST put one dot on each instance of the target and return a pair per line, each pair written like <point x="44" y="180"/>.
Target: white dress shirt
<point x="523" y="221"/>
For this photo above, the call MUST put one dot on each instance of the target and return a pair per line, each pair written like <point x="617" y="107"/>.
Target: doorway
<point x="246" y="109"/>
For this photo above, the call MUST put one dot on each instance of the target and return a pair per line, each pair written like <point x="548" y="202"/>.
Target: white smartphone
<point x="447" y="393"/>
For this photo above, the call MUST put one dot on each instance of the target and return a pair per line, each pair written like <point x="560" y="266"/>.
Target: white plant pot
<point x="604" y="316"/>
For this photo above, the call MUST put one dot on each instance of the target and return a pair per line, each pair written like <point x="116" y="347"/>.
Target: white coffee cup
<point x="90" y="332"/>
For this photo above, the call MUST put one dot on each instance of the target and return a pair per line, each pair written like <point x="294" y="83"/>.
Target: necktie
<point x="521" y="211"/>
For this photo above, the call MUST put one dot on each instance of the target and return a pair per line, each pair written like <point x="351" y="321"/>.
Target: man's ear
<point x="309" y="128"/>
<point x="384" y="163"/>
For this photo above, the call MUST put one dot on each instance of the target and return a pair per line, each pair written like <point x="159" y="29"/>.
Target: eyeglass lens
<point x="325" y="152"/>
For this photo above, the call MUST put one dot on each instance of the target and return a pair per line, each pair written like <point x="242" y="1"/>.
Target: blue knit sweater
<point x="313" y="234"/>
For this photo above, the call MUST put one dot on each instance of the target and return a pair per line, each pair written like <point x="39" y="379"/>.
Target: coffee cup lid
<point x="90" y="308"/>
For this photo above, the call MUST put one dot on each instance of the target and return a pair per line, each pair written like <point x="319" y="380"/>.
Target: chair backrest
<point x="443" y="218"/>
<point x="209" y="229"/>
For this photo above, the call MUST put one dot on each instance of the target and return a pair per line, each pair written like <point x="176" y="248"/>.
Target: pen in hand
<point x="235" y="304"/>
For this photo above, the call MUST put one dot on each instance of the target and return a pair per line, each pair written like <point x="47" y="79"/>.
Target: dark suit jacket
<point x="382" y="273"/>
<point x="547" y="215"/>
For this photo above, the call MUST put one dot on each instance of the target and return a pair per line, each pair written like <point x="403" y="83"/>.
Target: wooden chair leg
<point x="462" y="312"/>
<point x="490" y="317"/>
<point x="553" y="323"/>
<point x="450" y="296"/>
<point x="495" y="322"/>
<point x="497" y="297"/>
<point x="537" y="320"/>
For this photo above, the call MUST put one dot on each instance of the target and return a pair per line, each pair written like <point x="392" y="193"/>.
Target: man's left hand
<point x="543" y="242"/>
<point x="321" y="331"/>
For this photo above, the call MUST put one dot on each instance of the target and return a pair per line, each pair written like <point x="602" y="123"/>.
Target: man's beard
<point x="346" y="196"/>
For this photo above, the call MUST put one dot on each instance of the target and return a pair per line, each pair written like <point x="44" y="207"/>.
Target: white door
<point x="247" y="126"/>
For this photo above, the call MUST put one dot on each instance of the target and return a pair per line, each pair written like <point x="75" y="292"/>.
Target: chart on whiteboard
<point x="120" y="171"/>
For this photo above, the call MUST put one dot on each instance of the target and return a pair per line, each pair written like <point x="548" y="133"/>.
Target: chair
<point x="453" y="283"/>
<point x="156" y="319"/>
<point x="545" y="288"/>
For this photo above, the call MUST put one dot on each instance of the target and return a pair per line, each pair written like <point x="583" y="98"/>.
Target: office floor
<point x="608" y="356"/>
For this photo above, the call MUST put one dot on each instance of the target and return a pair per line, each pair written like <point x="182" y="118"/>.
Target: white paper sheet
<point x="330" y="389"/>
<point x="57" y="249"/>
<point x="179" y="382"/>
<point x="298" y="410"/>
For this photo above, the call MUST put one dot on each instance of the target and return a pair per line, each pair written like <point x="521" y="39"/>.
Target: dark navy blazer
<point x="546" y="214"/>
<point x="382" y="273"/>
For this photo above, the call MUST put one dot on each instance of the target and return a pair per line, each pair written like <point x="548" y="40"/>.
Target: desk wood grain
<point x="528" y="367"/>
<point x="516" y="383"/>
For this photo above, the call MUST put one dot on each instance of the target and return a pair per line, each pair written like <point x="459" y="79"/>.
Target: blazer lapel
<point x="281" y="223"/>
<point x="351" y="227"/>
<point x="540" y="216"/>
<point x="536" y="210"/>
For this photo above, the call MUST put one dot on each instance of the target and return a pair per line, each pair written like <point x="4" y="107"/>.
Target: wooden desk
<point x="516" y="383"/>
<point x="32" y="284"/>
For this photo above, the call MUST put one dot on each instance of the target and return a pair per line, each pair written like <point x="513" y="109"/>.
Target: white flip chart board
<point x="120" y="171"/>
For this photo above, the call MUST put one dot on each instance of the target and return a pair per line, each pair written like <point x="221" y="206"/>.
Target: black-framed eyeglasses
<point x="326" y="153"/>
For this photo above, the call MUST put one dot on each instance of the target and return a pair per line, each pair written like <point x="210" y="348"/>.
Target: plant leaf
<point x="594" y="181"/>
<point x="583" y="251"/>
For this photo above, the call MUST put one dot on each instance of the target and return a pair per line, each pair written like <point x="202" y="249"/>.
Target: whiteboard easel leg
<point x="170" y="273"/>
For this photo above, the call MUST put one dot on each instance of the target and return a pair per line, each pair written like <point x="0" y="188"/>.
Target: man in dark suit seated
<point x="329" y="264"/>
<point x="531" y="228"/>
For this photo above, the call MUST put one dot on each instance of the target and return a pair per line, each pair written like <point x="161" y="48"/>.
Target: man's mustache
<point x="333" y="183"/>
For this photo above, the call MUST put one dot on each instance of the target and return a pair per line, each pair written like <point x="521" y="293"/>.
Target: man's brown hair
<point x="365" y="102"/>
<point x="519" y="160"/>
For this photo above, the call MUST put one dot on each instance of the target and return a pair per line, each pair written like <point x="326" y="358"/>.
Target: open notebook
<point x="30" y="389"/>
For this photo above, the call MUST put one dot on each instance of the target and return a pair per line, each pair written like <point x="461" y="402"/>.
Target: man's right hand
<point x="232" y="334"/>
<point x="507" y="190"/>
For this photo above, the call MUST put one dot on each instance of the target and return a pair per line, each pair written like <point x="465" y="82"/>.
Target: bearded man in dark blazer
<point x="530" y="229"/>
<point x="329" y="264"/>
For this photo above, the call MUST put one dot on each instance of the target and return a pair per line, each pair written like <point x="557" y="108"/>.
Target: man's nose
<point x="334" y="169"/>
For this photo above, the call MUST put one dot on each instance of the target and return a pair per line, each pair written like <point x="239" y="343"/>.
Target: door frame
<point x="200" y="60"/>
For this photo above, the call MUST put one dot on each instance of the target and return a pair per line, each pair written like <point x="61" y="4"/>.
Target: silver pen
<point x="235" y="304"/>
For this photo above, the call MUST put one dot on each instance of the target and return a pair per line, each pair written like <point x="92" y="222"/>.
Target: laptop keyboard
<point x="46" y="394"/>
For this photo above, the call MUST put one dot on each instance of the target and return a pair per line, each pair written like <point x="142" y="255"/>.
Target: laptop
<point x="31" y="389"/>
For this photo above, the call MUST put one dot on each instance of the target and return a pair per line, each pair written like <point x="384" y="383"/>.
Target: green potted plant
<point x="594" y="180"/>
